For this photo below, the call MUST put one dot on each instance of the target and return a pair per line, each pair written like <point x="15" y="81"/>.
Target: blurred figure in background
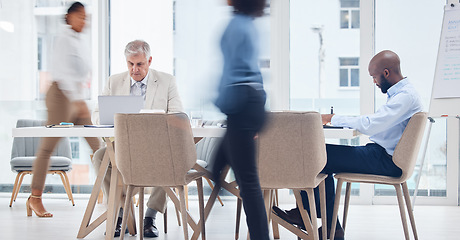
<point x="242" y="98"/>
<point x="64" y="99"/>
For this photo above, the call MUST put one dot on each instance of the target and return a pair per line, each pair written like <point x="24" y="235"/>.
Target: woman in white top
<point x="64" y="99"/>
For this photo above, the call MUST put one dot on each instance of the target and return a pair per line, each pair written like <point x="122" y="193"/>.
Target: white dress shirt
<point x="70" y="66"/>
<point x="386" y="126"/>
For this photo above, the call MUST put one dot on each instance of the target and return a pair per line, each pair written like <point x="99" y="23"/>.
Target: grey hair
<point x="136" y="47"/>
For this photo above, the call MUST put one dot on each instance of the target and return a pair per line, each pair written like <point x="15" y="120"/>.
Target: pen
<point x="332" y="110"/>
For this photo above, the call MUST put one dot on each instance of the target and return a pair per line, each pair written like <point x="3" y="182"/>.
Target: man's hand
<point x="326" y="118"/>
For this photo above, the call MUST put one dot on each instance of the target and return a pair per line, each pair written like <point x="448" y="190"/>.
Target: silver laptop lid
<point x="109" y="105"/>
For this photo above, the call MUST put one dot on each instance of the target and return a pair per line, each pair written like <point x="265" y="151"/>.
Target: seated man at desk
<point x="385" y="128"/>
<point x="160" y="92"/>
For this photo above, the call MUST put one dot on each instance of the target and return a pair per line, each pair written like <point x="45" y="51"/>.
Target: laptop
<point x="109" y="105"/>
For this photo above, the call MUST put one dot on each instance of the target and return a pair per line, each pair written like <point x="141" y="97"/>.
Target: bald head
<point x="386" y="60"/>
<point x="385" y="68"/>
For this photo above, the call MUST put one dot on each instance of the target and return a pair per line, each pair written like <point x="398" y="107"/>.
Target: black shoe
<point x="150" y="230"/>
<point x="291" y="216"/>
<point x="339" y="233"/>
<point x="118" y="228"/>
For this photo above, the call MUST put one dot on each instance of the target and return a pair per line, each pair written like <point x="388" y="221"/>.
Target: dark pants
<point x="369" y="159"/>
<point x="238" y="150"/>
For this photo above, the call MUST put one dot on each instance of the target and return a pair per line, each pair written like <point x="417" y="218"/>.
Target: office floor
<point x="364" y="223"/>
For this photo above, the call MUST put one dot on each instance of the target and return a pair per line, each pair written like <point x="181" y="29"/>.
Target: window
<point x="315" y="49"/>
<point x="418" y="66"/>
<point x="198" y="60"/>
<point x="27" y="32"/>
<point x="75" y="148"/>
<point x="349" y="14"/>
<point x="317" y="43"/>
<point x="349" y="72"/>
<point x="350" y="142"/>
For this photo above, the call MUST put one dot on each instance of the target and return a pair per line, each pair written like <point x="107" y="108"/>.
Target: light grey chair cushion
<point x="58" y="163"/>
<point x="24" y="150"/>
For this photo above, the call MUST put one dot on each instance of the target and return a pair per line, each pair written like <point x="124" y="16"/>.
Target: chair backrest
<point x="154" y="149"/>
<point x="406" y="152"/>
<point x="28" y="146"/>
<point x="291" y="150"/>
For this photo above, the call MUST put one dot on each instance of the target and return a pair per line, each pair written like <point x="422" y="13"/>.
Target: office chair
<point x="405" y="157"/>
<point x="23" y="156"/>
<point x="157" y="150"/>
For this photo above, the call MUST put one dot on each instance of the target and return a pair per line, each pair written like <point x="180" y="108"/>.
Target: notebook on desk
<point x="330" y="126"/>
<point x="109" y="105"/>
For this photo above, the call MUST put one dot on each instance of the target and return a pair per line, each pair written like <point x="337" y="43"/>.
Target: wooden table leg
<point x="114" y="204"/>
<point x="196" y="227"/>
<point x="116" y="186"/>
<point x="231" y="187"/>
<point x="86" y="227"/>
<point x="116" y="189"/>
<point x="239" y="204"/>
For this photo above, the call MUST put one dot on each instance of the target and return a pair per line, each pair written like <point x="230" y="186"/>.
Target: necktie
<point x="137" y="89"/>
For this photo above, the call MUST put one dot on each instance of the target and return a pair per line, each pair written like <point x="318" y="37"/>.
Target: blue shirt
<point x="240" y="51"/>
<point x="386" y="126"/>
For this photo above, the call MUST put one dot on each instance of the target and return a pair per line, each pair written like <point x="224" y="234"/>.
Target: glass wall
<point x="324" y="42"/>
<point x="416" y="42"/>
<point x="198" y="27"/>
<point x="324" y="58"/>
<point x="27" y="31"/>
<point x="151" y="21"/>
<point x="184" y="37"/>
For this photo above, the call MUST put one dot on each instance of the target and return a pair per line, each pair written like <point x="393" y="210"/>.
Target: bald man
<point x="384" y="127"/>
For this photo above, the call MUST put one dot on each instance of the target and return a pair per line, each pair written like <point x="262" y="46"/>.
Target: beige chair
<point x="291" y="155"/>
<point x="157" y="150"/>
<point x="205" y="151"/>
<point x="405" y="157"/>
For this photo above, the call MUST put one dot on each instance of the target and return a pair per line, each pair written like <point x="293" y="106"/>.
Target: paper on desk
<point x="99" y="126"/>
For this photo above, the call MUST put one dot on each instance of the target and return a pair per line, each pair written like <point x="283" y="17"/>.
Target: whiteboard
<point x="445" y="97"/>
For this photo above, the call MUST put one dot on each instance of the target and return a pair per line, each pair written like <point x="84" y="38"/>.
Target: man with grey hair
<point x="160" y="92"/>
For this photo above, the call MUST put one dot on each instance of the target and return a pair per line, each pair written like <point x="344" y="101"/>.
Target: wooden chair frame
<point x="20" y="177"/>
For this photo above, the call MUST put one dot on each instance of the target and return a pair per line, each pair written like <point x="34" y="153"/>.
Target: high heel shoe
<point x="30" y="208"/>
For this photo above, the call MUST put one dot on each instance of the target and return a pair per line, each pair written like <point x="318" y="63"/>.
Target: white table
<point x="87" y="226"/>
<point x="80" y="131"/>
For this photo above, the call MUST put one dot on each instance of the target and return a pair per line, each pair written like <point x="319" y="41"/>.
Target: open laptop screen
<point x="109" y="105"/>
